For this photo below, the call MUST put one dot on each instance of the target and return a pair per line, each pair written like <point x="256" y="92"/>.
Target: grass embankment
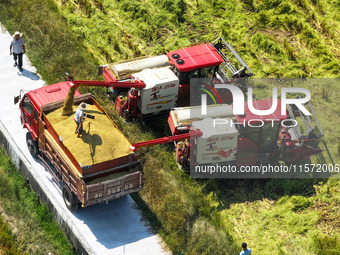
<point x="276" y="38"/>
<point x="296" y="224"/>
<point x="8" y="242"/>
<point x="31" y="223"/>
<point x="51" y="42"/>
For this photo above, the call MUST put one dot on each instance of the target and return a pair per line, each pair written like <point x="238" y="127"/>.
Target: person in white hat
<point x="19" y="49"/>
<point x="79" y="118"/>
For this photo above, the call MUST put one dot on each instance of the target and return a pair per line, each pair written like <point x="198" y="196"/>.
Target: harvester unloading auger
<point x="74" y="84"/>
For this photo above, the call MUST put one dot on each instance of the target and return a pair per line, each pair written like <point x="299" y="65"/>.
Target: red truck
<point x="92" y="176"/>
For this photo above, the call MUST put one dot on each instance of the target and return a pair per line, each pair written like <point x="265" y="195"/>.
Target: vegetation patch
<point x="291" y="225"/>
<point x="35" y="230"/>
<point x="8" y="242"/>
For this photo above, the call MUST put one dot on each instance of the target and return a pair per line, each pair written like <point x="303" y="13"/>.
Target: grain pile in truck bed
<point x="101" y="140"/>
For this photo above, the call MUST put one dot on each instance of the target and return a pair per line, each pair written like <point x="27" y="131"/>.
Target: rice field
<point x="276" y="38"/>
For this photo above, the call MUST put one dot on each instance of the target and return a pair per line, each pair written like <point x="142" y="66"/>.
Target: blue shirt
<point x="246" y="252"/>
<point x="17" y="45"/>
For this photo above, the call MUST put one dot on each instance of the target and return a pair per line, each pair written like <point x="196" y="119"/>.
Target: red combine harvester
<point x="166" y="78"/>
<point x="248" y="139"/>
<point x="243" y="140"/>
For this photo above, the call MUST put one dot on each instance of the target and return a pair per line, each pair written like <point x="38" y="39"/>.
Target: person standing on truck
<point x="79" y="118"/>
<point x="19" y="49"/>
<point x="245" y="250"/>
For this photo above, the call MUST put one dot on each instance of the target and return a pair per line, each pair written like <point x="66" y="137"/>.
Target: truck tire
<point x="32" y="145"/>
<point x="71" y="201"/>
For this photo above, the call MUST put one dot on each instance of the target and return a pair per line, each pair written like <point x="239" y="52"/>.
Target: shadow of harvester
<point x="93" y="140"/>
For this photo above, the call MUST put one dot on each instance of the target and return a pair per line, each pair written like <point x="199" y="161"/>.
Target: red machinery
<point x="237" y="140"/>
<point x="82" y="182"/>
<point x="193" y="133"/>
<point x="167" y="78"/>
<point x="244" y="140"/>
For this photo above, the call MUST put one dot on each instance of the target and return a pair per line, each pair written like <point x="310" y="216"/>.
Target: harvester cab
<point x="217" y="60"/>
<point x="208" y="60"/>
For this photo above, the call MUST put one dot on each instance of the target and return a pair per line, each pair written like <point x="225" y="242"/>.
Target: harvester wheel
<point x="127" y="117"/>
<point x="71" y="201"/>
<point x="32" y="145"/>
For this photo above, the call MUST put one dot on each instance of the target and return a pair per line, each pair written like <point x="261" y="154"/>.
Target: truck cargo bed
<point x="101" y="150"/>
<point x="99" y="142"/>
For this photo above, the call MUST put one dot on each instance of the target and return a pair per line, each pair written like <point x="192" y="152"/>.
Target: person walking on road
<point x="18" y="46"/>
<point x="245" y="250"/>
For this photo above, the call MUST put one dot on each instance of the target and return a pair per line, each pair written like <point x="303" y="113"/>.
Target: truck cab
<point x="29" y="116"/>
<point x="30" y="109"/>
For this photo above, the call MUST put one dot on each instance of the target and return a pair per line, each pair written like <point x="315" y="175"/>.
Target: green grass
<point x="8" y="242"/>
<point x="46" y="35"/>
<point x="35" y="230"/>
<point x="296" y="224"/>
<point x="276" y="38"/>
<point x="267" y="33"/>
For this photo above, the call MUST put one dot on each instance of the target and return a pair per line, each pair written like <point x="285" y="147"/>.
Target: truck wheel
<point x="71" y="201"/>
<point x="32" y="145"/>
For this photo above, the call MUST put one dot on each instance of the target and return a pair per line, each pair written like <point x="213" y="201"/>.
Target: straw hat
<point x="82" y="106"/>
<point x="16" y="33"/>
